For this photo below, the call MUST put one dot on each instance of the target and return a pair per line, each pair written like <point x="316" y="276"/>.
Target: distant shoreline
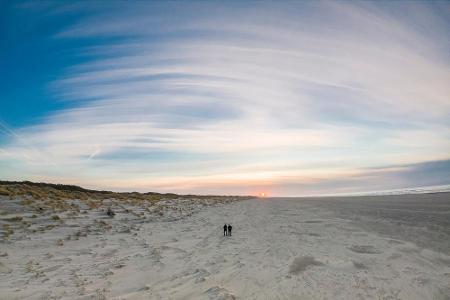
<point x="394" y="192"/>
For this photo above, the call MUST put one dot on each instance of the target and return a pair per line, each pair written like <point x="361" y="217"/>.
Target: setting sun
<point x="262" y="194"/>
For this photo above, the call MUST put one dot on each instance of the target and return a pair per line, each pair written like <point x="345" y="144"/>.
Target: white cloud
<point x="325" y="82"/>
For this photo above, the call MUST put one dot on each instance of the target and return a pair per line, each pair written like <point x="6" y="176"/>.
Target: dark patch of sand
<point x="300" y="264"/>
<point x="364" y="249"/>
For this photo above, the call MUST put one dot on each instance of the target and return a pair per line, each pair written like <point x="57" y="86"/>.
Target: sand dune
<point x="280" y="249"/>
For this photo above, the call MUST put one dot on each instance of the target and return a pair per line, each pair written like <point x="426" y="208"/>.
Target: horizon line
<point x="432" y="189"/>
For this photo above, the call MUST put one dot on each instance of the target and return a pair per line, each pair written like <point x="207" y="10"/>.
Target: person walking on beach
<point x="225" y="233"/>
<point x="229" y="229"/>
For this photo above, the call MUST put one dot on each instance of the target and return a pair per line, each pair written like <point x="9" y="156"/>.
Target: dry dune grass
<point x="60" y="191"/>
<point x="31" y="205"/>
<point x="59" y="198"/>
<point x="4" y="191"/>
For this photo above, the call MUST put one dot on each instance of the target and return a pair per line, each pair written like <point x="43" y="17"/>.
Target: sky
<point x="226" y="97"/>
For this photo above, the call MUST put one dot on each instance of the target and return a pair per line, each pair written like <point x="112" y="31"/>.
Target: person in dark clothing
<point x="225" y="233"/>
<point x="229" y="229"/>
<point x="110" y="212"/>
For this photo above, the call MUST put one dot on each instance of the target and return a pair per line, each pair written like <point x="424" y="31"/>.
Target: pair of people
<point x="227" y="230"/>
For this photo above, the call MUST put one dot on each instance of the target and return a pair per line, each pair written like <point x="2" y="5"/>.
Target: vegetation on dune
<point x="50" y="191"/>
<point x="57" y="198"/>
<point x="38" y="207"/>
<point x="15" y="219"/>
<point x="56" y="218"/>
<point x="4" y="191"/>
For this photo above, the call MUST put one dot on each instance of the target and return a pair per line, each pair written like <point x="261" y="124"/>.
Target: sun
<point x="262" y="194"/>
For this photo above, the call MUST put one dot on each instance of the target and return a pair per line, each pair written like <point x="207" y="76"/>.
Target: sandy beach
<point x="281" y="248"/>
<point x="133" y="132"/>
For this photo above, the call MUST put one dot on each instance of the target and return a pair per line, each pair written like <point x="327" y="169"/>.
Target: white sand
<point x="280" y="249"/>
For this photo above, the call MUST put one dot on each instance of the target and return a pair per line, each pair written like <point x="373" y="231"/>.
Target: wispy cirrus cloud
<point x="245" y="93"/>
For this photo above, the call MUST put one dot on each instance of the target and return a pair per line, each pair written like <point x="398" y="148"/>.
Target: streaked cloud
<point x="219" y="96"/>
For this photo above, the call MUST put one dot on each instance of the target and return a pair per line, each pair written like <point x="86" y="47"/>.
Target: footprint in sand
<point x="364" y="249"/>
<point x="51" y="269"/>
<point x="395" y="256"/>
<point x="313" y="234"/>
<point x="201" y="275"/>
<point x="217" y="292"/>
<point x="395" y="242"/>
<point x="360" y="265"/>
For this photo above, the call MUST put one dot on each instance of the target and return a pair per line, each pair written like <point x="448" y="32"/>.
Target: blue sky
<point x="290" y="98"/>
